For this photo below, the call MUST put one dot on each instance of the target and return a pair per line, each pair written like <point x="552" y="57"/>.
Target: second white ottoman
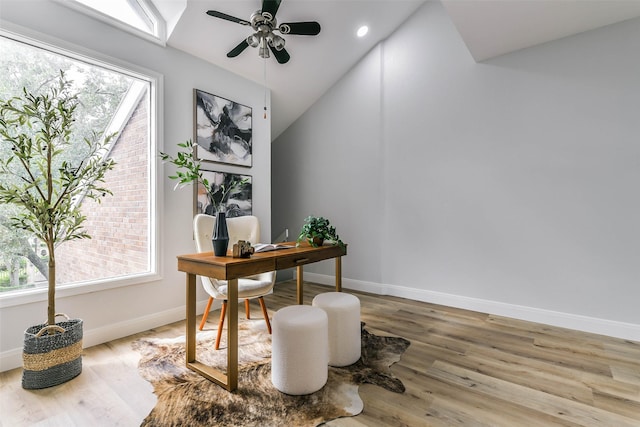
<point x="343" y="311"/>
<point x="299" y="349"/>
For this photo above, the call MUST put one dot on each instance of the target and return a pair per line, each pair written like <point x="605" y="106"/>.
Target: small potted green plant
<point x="316" y="230"/>
<point x="45" y="176"/>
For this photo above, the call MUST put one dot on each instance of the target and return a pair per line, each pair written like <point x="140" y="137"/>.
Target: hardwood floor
<point x="462" y="368"/>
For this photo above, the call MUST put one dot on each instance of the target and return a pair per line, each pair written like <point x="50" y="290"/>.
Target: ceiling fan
<point x="264" y="24"/>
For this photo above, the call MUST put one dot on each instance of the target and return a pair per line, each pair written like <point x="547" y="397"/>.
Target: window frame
<point x="155" y="80"/>
<point x="159" y="25"/>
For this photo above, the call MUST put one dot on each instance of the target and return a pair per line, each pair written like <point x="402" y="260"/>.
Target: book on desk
<point x="265" y="247"/>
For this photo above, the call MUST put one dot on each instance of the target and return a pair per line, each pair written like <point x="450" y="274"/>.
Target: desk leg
<point x="300" y="281"/>
<point x="232" y="334"/>
<point x="230" y="380"/>
<point x="338" y="274"/>
<point x="191" y="318"/>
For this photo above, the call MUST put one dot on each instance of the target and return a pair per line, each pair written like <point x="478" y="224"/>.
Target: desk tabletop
<point x="227" y="267"/>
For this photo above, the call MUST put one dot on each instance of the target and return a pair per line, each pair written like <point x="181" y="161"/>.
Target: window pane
<point x="127" y="11"/>
<point x="110" y="102"/>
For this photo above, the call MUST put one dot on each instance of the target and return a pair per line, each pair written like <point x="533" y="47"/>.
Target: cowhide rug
<point x="186" y="398"/>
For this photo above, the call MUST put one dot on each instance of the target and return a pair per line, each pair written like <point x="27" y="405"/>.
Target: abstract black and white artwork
<point x="222" y="130"/>
<point x="237" y="201"/>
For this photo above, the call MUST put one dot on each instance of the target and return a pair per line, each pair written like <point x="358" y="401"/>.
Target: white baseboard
<point x="11" y="359"/>
<point x="612" y="328"/>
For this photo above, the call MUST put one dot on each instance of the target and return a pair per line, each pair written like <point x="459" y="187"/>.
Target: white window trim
<point x="156" y="80"/>
<point x="159" y="24"/>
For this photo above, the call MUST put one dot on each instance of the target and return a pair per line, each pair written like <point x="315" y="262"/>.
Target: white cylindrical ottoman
<point x="299" y="349"/>
<point x="343" y="311"/>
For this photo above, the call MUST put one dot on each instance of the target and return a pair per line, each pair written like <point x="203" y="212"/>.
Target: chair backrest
<point x="245" y="228"/>
<point x="240" y="228"/>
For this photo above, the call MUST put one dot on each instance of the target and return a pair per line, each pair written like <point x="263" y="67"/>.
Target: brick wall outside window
<point x="119" y="224"/>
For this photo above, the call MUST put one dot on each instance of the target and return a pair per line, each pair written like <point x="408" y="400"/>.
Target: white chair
<point x="241" y="228"/>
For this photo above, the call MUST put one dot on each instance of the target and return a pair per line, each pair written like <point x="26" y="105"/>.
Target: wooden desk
<point x="230" y="269"/>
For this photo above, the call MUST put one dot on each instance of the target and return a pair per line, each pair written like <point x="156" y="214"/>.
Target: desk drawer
<point x="307" y="257"/>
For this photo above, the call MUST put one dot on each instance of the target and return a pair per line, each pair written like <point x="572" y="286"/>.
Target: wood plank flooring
<point x="462" y="369"/>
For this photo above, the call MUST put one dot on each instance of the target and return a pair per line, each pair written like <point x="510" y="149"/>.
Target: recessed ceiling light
<point x="362" y="31"/>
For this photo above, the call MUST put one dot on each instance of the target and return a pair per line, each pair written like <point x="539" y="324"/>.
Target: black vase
<point x="220" y="234"/>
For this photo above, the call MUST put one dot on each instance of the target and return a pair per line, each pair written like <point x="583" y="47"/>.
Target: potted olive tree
<point x="46" y="176"/>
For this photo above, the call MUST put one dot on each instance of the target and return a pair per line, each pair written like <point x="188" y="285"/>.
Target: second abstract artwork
<point x="233" y="190"/>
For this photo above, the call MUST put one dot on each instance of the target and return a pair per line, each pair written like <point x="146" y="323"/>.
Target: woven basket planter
<point x="52" y="354"/>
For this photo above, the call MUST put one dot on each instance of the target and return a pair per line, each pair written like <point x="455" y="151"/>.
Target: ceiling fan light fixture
<point x="277" y="42"/>
<point x="263" y="52"/>
<point x="253" y="40"/>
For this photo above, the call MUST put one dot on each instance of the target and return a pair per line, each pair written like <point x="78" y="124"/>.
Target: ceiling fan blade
<point x="221" y="15"/>
<point x="270" y="7"/>
<point x="311" y="28"/>
<point x="282" y="56"/>
<point x="238" y="49"/>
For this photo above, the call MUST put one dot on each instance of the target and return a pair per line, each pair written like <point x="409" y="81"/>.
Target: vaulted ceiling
<point x="488" y="27"/>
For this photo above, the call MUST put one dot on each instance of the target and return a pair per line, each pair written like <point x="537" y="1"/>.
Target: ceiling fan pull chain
<point x="265" y="87"/>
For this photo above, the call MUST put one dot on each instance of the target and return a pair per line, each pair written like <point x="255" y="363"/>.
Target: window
<point x="137" y="16"/>
<point x="122" y="226"/>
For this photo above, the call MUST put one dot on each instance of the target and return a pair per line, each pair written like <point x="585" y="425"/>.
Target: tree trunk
<point x="14" y="272"/>
<point x="37" y="262"/>
<point x="51" y="308"/>
<point x="26" y="249"/>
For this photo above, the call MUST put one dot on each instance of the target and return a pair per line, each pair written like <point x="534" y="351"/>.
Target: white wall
<point x="508" y="186"/>
<point x="121" y="311"/>
<point x="328" y="165"/>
